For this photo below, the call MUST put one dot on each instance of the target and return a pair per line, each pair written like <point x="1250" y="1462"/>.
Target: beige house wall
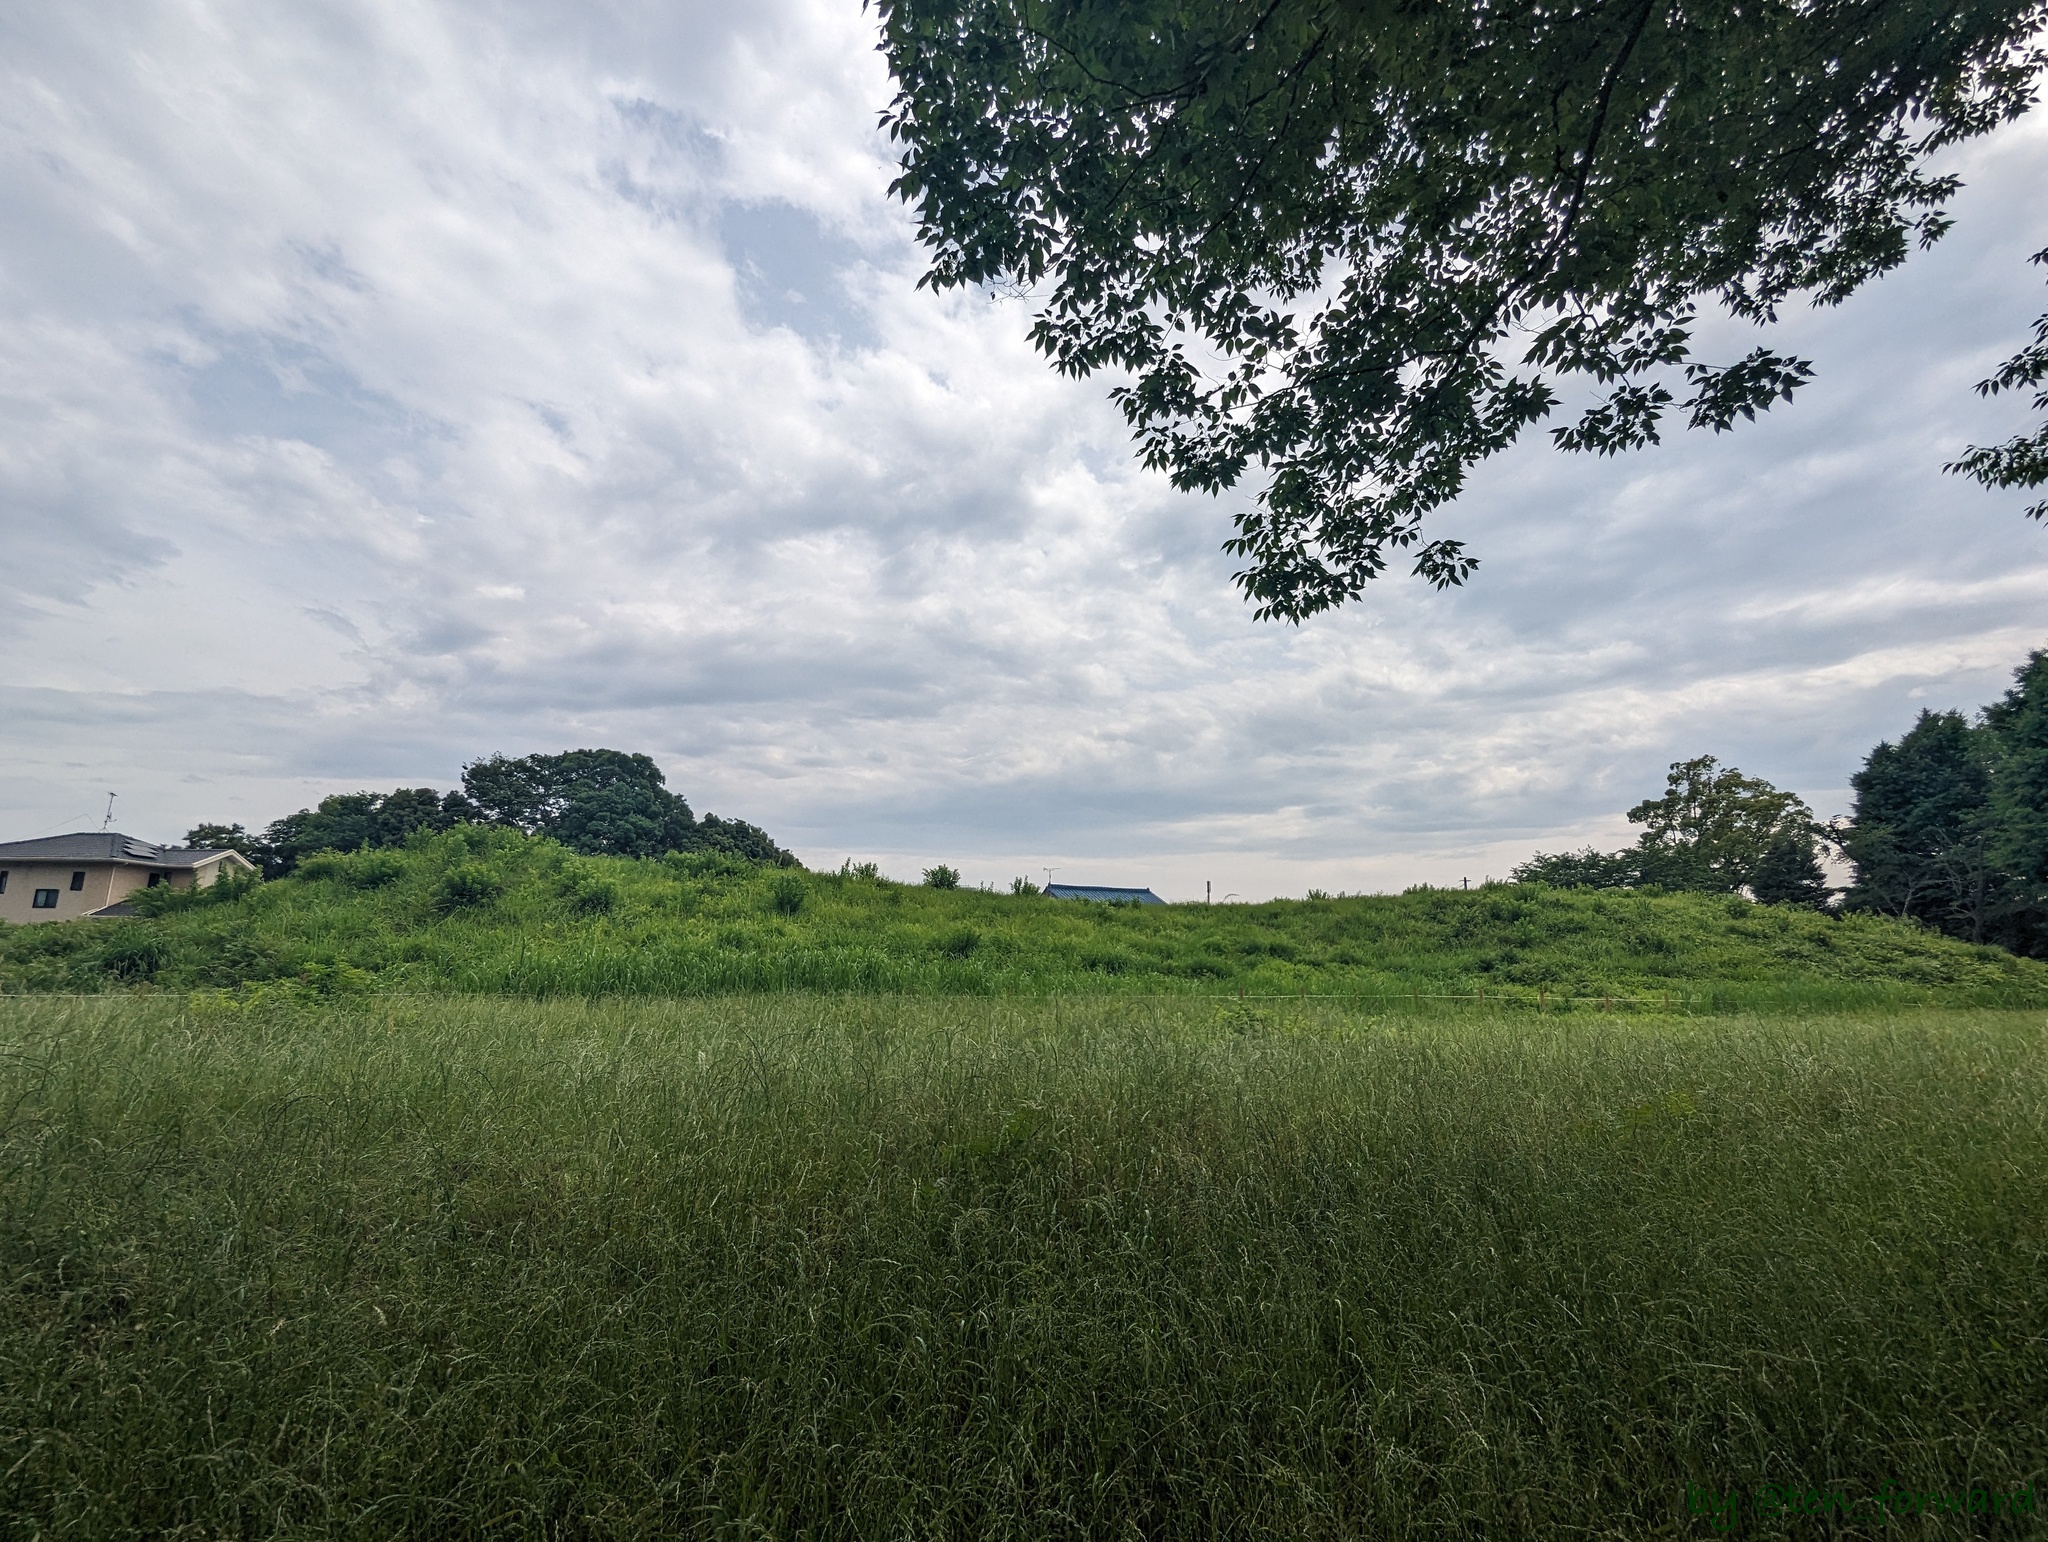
<point x="106" y="883"/>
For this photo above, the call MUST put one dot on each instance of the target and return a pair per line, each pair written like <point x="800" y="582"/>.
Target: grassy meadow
<point x="493" y="912"/>
<point x="791" y="1266"/>
<point x="484" y="1189"/>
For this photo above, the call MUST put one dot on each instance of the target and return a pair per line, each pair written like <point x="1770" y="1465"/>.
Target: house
<point x="1091" y="891"/>
<point x="63" y="877"/>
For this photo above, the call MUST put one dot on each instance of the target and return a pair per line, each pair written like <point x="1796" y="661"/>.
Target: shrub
<point x="135" y="955"/>
<point x="1588" y="869"/>
<point x="357" y="869"/>
<point x="467" y="887"/>
<point x="942" y="877"/>
<point x="237" y="959"/>
<point x="960" y="943"/>
<point x="860" y="872"/>
<point x="339" y="978"/>
<point x="1023" y="887"/>
<point x="594" y="897"/>
<point x="46" y="941"/>
<point x="706" y="864"/>
<point x="164" y="900"/>
<point x="787" y="895"/>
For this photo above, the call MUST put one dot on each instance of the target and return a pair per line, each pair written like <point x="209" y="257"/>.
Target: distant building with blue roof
<point x="1096" y="891"/>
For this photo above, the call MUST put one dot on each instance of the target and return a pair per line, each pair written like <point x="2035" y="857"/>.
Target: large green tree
<point x="1714" y="829"/>
<point x="1351" y="248"/>
<point x="2019" y="804"/>
<point x="1921" y="826"/>
<point x="215" y="837"/>
<point x="598" y="802"/>
<point x="348" y="821"/>
<point x="1950" y="824"/>
<point x="1718" y="829"/>
<point x="605" y="802"/>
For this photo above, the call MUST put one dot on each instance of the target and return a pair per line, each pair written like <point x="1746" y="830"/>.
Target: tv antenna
<point x="108" y="823"/>
<point x="1048" y="875"/>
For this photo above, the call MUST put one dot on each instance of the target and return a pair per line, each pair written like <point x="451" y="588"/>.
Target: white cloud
<point x="387" y="384"/>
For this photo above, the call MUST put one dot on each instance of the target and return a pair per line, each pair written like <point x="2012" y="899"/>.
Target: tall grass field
<point x="884" y="1266"/>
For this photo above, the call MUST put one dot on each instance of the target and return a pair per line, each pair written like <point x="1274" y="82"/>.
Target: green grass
<point x="878" y="1267"/>
<point x="495" y="913"/>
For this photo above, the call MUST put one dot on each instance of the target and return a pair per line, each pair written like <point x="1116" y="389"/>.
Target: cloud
<point x="389" y="384"/>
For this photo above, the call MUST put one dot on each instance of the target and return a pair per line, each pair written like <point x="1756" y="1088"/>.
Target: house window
<point x="78" y="880"/>
<point x="155" y="879"/>
<point x="46" y="899"/>
<point x="3" y="880"/>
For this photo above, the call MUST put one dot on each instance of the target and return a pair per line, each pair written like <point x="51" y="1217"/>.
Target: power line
<point x="65" y="823"/>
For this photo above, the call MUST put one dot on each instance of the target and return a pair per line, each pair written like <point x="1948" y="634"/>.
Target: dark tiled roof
<point x="1091" y="891"/>
<point x="188" y="856"/>
<point x="103" y="846"/>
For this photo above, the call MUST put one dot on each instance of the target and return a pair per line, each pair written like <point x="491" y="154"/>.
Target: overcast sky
<point x="386" y="384"/>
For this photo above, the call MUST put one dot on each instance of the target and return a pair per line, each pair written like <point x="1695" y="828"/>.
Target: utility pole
<point x="1207" y="889"/>
<point x="1464" y="883"/>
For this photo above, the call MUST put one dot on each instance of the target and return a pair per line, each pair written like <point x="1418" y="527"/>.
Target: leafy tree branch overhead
<point x="2022" y="461"/>
<point x="1352" y="249"/>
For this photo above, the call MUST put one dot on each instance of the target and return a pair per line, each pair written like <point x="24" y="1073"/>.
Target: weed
<point x="594" y="897"/>
<point x="357" y="869"/>
<point x="1240" y="1017"/>
<point x="707" y="864"/>
<point x="787" y="893"/>
<point x="167" y="899"/>
<point x="467" y="887"/>
<point x="135" y="955"/>
<point x="336" y="979"/>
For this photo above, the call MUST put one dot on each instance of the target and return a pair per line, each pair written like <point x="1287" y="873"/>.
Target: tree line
<point x="1949" y="827"/>
<point x="596" y="802"/>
